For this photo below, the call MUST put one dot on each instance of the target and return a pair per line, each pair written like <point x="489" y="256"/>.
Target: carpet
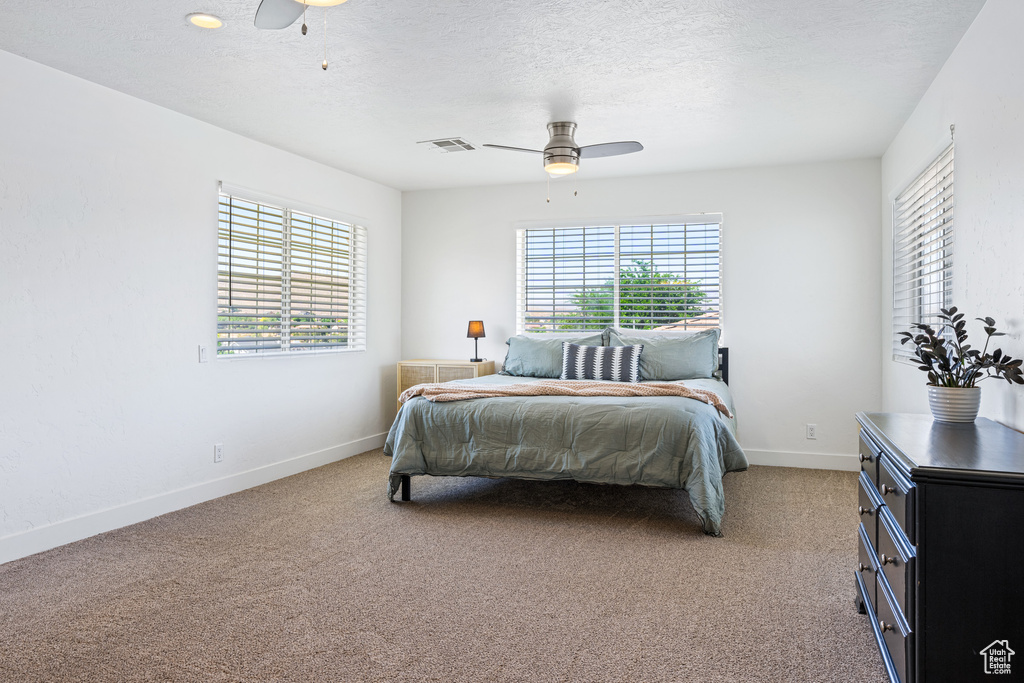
<point x="317" y="577"/>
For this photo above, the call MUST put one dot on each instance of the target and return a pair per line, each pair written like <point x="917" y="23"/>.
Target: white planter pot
<point x="954" y="404"/>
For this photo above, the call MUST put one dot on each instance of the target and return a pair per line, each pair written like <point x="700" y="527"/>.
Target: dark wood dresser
<point x="941" y="567"/>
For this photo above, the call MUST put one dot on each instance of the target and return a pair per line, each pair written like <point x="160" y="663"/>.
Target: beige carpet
<point x="319" y="578"/>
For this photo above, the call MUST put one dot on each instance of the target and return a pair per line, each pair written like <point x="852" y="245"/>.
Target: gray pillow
<point x="670" y="356"/>
<point x="540" y="355"/>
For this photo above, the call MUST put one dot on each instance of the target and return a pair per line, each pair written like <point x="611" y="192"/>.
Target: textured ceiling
<point x="701" y="83"/>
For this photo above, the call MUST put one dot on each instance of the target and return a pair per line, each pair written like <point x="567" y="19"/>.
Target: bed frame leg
<point x="405" y="487"/>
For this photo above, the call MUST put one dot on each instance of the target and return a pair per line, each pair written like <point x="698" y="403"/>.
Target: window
<point x="288" y="281"/>
<point x="922" y="250"/>
<point x="662" y="276"/>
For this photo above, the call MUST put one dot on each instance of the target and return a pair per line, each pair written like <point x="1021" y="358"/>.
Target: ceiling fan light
<point x="561" y="168"/>
<point x="320" y="3"/>
<point x="204" y="20"/>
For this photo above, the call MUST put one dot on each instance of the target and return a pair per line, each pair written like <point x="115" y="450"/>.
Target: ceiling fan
<point x="275" y="14"/>
<point x="562" y="155"/>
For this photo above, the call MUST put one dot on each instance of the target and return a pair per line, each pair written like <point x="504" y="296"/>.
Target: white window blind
<point x="656" y="276"/>
<point x="288" y="281"/>
<point x="568" y="276"/>
<point x="923" y="250"/>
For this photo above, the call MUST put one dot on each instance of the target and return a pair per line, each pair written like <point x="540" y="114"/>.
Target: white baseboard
<point x="814" y="461"/>
<point x="42" y="538"/>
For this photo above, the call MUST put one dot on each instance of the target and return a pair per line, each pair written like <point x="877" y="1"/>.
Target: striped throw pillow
<point x="615" y="363"/>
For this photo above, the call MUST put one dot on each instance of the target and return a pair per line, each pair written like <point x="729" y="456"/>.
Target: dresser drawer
<point x="896" y="560"/>
<point x="868" y="501"/>
<point x="896" y="633"/>
<point x="410" y="375"/>
<point x="898" y="494"/>
<point x="866" y="559"/>
<point x="868" y="456"/>
<point x="447" y="373"/>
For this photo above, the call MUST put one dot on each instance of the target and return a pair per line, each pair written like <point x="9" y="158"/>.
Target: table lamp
<point x="476" y="330"/>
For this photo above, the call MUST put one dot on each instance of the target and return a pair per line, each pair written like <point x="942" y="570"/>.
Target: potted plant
<point x="954" y="368"/>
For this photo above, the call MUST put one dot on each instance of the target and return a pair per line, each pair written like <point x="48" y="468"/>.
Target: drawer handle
<point x="888" y="560"/>
<point x="885" y="627"/>
<point x="886" y="490"/>
<point x="865" y="458"/>
<point x="861" y="510"/>
<point x="861" y="567"/>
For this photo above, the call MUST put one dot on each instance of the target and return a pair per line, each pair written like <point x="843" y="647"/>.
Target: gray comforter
<point x="670" y="441"/>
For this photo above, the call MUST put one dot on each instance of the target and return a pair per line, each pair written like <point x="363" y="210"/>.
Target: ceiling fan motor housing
<point x="561" y="148"/>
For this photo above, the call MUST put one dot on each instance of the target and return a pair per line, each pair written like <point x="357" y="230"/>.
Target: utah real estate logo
<point x="997" y="657"/>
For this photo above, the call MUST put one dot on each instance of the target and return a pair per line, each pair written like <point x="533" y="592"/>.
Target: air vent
<point x="448" y="145"/>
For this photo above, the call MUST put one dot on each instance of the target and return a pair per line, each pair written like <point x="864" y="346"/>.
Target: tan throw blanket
<point x="453" y="391"/>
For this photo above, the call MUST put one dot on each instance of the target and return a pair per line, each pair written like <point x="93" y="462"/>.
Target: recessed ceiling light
<point x="203" y="20"/>
<point x="320" y="3"/>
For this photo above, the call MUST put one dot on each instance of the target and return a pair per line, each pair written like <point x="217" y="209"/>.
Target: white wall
<point x="108" y="260"/>
<point x="800" y="289"/>
<point x="981" y="90"/>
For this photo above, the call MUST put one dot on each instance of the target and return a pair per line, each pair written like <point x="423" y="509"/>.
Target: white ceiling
<point x="701" y="83"/>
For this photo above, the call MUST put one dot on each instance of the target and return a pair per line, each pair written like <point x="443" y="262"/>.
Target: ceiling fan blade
<point x="609" y="149"/>
<point x="277" y="13"/>
<point x="513" y="149"/>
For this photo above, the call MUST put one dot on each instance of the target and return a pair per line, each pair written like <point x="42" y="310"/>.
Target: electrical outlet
<point x="202" y="354"/>
<point x="218" y="452"/>
<point x="812" y="431"/>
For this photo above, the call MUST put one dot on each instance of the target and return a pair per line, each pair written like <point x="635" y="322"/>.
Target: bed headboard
<point x="723" y="364"/>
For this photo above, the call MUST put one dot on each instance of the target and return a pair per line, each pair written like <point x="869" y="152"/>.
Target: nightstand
<point x="413" y="372"/>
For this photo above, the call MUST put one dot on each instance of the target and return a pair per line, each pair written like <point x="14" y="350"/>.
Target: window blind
<point x="327" y="302"/>
<point x="288" y="281"/>
<point x="669" y="276"/>
<point x="250" y="281"/>
<point x="656" y="276"/>
<point x="568" y="279"/>
<point x="923" y="250"/>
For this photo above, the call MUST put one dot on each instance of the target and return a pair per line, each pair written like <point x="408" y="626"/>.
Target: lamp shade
<point x="476" y="329"/>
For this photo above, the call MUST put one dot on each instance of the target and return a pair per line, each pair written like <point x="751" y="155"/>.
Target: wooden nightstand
<point x="413" y="372"/>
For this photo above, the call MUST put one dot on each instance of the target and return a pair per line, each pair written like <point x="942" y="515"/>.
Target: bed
<point x="664" y="441"/>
